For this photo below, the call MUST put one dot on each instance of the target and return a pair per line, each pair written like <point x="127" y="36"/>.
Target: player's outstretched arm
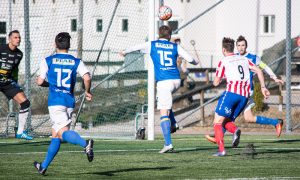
<point x="87" y="86"/>
<point x="144" y="48"/>
<point x="270" y="72"/>
<point x="187" y="56"/>
<point x="260" y="76"/>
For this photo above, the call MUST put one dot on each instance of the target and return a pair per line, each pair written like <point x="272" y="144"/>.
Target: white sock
<point x="22" y="122"/>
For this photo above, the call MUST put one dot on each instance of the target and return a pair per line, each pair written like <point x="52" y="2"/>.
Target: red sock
<point x="219" y="135"/>
<point x="231" y="127"/>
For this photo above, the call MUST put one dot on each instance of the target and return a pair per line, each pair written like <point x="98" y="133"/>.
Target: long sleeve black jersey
<point x="9" y="62"/>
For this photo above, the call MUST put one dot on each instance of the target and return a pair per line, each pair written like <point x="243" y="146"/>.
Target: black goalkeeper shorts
<point x="10" y="90"/>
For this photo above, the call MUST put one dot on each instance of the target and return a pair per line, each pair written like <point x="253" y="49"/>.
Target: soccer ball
<point x="164" y="13"/>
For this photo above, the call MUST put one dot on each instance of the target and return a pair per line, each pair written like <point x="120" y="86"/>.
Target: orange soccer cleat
<point x="279" y="127"/>
<point x="210" y="138"/>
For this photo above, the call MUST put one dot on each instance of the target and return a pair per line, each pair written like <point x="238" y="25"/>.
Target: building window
<point x="124" y="25"/>
<point x="173" y="25"/>
<point x="2" y="40"/>
<point x="188" y="1"/>
<point x="3" y="27"/>
<point x="268" y="24"/>
<point x="73" y="25"/>
<point x="99" y="25"/>
<point x="74" y="1"/>
<point x="140" y="1"/>
<point x="96" y="1"/>
<point x="53" y="1"/>
<point x="33" y="1"/>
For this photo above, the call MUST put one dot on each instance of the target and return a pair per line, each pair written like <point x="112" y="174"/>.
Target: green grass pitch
<point x="123" y="159"/>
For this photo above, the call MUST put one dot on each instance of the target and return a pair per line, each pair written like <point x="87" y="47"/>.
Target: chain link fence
<point x="101" y="28"/>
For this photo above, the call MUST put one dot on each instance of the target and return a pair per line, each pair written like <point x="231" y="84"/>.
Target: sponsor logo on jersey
<point x="63" y="61"/>
<point x="3" y="71"/>
<point x="63" y="91"/>
<point x="165" y="46"/>
<point x="3" y="60"/>
<point x="6" y="66"/>
<point x="11" y="55"/>
<point x="19" y="55"/>
<point x="3" y="53"/>
<point x="10" y="61"/>
<point x="227" y="111"/>
<point x="16" y="61"/>
<point x="167" y="68"/>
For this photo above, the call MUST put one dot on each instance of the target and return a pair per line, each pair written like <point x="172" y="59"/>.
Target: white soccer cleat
<point x="220" y="154"/>
<point x="166" y="149"/>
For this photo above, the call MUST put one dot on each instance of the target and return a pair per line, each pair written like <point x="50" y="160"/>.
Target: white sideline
<point x="137" y="150"/>
<point x="201" y="138"/>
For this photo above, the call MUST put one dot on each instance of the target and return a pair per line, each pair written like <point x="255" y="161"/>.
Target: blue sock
<point x="265" y="120"/>
<point x="73" y="138"/>
<point x="52" y="151"/>
<point x="172" y="118"/>
<point x="166" y="129"/>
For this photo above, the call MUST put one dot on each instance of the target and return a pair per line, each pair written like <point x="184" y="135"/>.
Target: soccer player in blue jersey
<point x="164" y="56"/>
<point x="241" y="44"/>
<point x="60" y="71"/>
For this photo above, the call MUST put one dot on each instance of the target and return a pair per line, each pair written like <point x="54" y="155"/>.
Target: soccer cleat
<point x="24" y="135"/>
<point x="236" y="138"/>
<point x="38" y="166"/>
<point x="219" y="154"/>
<point x="166" y="149"/>
<point x="210" y="139"/>
<point x="174" y="128"/>
<point x="89" y="150"/>
<point x="279" y="127"/>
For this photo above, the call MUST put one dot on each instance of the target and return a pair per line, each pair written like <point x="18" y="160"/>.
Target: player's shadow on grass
<point x="112" y="173"/>
<point x="286" y="141"/>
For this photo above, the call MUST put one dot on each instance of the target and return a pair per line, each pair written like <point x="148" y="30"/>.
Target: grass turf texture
<point x="192" y="159"/>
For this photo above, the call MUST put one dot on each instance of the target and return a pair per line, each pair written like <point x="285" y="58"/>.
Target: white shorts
<point x="164" y="91"/>
<point x="60" y="116"/>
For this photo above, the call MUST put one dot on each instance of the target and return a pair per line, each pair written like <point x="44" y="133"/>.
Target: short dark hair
<point x="228" y="44"/>
<point x="14" y="31"/>
<point x="242" y="38"/>
<point x="165" y="32"/>
<point x="62" y="40"/>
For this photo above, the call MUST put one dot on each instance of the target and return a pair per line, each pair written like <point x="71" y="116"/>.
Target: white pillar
<point x="151" y="81"/>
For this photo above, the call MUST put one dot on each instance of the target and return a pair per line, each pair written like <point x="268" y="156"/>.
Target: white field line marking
<point x="136" y="150"/>
<point x="201" y="138"/>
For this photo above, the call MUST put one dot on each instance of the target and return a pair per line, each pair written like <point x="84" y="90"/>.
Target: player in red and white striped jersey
<point x="236" y="69"/>
<point x="237" y="73"/>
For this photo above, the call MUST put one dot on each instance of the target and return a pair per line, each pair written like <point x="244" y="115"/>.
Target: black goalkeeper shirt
<point x="9" y="62"/>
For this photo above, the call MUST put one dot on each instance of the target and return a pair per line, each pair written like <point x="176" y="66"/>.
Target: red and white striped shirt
<point x="236" y="70"/>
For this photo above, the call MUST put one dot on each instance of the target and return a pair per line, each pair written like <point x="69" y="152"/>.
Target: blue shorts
<point x="230" y="105"/>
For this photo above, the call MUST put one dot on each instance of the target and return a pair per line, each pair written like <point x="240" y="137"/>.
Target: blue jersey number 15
<point x="165" y="59"/>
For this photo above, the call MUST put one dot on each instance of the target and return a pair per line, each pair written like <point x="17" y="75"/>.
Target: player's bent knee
<point x="25" y="106"/>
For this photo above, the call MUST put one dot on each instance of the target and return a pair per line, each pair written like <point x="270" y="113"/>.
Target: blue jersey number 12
<point x="63" y="82"/>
